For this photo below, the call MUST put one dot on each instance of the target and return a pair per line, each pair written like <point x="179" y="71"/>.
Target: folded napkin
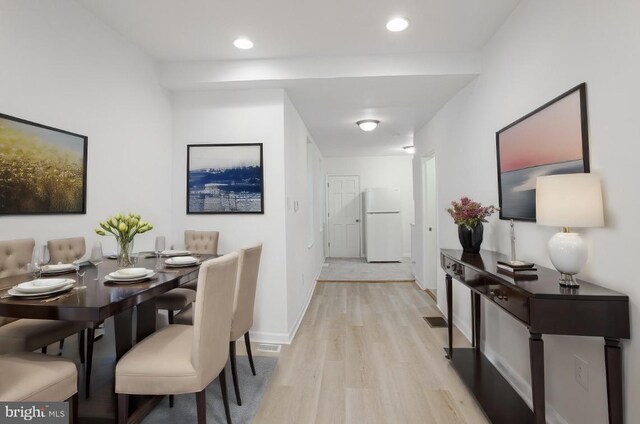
<point x="57" y="267"/>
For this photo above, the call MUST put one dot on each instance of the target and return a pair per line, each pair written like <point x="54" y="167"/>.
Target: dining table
<point x="92" y="300"/>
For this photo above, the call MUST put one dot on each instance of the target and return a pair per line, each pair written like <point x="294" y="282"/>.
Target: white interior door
<point x="430" y="224"/>
<point x="344" y="216"/>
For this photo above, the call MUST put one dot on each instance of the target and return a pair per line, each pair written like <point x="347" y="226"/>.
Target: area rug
<point x="358" y="270"/>
<point x="252" y="389"/>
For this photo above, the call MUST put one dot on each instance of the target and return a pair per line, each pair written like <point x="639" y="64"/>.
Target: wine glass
<point x="160" y="246"/>
<point x="37" y="261"/>
<point x="96" y="256"/>
<point x="80" y="271"/>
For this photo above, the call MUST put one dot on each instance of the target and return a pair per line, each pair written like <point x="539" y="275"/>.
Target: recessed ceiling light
<point x="398" y="24"/>
<point x="368" y="124"/>
<point x="409" y="149"/>
<point x="243" y="43"/>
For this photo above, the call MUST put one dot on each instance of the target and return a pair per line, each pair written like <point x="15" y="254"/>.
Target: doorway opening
<point x="343" y="216"/>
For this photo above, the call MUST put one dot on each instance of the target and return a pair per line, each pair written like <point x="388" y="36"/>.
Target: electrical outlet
<point x="581" y="368"/>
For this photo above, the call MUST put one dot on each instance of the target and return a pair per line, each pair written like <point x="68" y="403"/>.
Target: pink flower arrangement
<point x="469" y="213"/>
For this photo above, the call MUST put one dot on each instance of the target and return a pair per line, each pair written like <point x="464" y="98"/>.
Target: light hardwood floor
<point x="363" y="354"/>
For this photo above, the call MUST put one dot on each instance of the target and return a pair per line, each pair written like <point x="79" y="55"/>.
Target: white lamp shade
<point x="569" y="200"/>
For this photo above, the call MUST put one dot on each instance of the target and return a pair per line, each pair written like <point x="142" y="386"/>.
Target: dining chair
<point x="243" y="304"/>
<point x="26" y="335"/>
<point x="200" y="243"/>
<point x="34" y="377"/>
<point x="181" y="359"/>
<point x="66" y="250"/>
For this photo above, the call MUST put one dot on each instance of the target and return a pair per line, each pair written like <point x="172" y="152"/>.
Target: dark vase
<point x="470" y="239"/>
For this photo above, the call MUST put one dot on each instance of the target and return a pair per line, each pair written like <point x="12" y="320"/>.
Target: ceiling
<point x="199" y="31"/>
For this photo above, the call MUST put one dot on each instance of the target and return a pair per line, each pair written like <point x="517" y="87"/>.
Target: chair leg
<point x="201" y="406"/>
<point x="73" y="406"/>
<point x="44" y="350"/>
<point x="225" y="397"/>
<point x="61" y="347"/>
<point x="234" y="371"/>
<point x="247" y="343"/>
<point x="91" y="332"/>
<point x="170" y="401"/>
<point x="81" y="346"/>
<point x="123" y="408"/>
<point x="170" y="313"/>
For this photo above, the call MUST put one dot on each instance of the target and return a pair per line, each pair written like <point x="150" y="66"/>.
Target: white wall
<point x="387" y="171"/>
<point x="64" y="68"/>
<point x="545" y="48"/>
<point x="250" y="116"/>
<point x="304" y="259"/>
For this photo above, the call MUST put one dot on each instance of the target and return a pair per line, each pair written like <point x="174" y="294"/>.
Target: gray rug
<point x="252" y="389"/>
<point x="357" y="269"/>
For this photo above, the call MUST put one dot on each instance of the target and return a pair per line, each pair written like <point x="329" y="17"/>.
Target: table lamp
<point x="569" y="200"/>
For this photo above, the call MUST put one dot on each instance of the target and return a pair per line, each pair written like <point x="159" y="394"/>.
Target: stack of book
<point x="517" y="269"/>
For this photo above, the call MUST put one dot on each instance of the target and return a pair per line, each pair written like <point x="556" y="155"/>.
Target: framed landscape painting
<point x="550" y="140"/>
<point x="225" y="179"/>
<point x="43" y="170"/>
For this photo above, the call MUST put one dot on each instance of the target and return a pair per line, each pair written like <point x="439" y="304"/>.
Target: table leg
<point x="123" y="329"/>
<point x="473" y="320"/>
<point x="449" y="283"/>
<point x="536" y="357"/>
<point x="146" y="319"/>
<point x="475" y="299"/>
<point x="613" y="365"/>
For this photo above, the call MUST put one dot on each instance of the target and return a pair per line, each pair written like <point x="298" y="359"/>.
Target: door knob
<point x="430" y="229"/>
<point x="357" y="220"/>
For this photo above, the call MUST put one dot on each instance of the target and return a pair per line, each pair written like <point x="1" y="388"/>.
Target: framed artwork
<point x="550" y="140"/>
<point x="43" y="170"/>
<point x="225" y="179"/>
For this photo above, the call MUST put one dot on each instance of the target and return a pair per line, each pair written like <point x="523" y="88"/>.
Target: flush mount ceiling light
<point x="409" y="149"/>
<point x="368" y="124"/>
<point x="243" y="43"/>
<point x="398" y="24"/>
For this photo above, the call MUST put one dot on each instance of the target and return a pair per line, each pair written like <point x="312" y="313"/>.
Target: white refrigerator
<point x="383" y="225"/>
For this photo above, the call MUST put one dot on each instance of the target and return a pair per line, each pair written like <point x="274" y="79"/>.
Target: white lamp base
<point x="568" y="253"/>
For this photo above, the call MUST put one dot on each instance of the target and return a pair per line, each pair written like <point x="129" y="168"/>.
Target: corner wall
<point x="543" y="49"/>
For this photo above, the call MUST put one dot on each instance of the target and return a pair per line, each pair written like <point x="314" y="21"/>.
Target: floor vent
<point x="272" y="348"/>
<point x="435" y="322"/>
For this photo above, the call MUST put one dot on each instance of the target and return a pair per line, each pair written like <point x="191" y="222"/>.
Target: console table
<point x="544" y="307"/>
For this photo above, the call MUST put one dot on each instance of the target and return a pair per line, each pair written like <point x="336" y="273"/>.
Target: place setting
<point x="129" y="275"/>
<point x="181" y="261"/>
<point x="40" y="288"/>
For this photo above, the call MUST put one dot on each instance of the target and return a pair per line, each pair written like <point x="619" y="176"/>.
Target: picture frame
<point x="552" y="139"/>
<point x="225" y="178"/>
<point x="43" y="170"/>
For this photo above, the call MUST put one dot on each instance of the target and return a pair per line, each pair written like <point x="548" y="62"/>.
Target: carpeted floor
<point x="252" y="390"/>
<point x="357" y="269"/>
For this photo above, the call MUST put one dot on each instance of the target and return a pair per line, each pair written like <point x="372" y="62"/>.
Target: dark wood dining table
<point x="93" y="301"/>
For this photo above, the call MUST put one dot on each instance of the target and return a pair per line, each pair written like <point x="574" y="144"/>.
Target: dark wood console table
<point x="544" y="307"/>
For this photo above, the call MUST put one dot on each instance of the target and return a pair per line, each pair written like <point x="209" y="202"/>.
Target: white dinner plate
<point x="110" y="279"/>
<point x="129" y="273"/>
<point x="42" y="285"/>
<point x="14" y="292"/>
<point x="173" y="262"/>
<point x="175" y="253"/>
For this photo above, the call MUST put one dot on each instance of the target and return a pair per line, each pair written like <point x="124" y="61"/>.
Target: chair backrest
<point x="201" y="242"/>
<point x="212" y="315"/>
<point x="66" y="250"/>
<point x="245" y="296"/>
<point x="15" y="256"/>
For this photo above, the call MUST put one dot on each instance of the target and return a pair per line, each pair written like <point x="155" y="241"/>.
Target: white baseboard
<point x="419" y="283"/>
<point x="287" y="338"/>
<point x="519" y="384"/>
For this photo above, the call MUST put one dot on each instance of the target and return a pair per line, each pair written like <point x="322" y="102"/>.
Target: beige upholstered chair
<point x="183" y="358"/>
<point x="33" y="377"/>
<point x="175" y="300"/>
<point x="200" y="243"/>
<point x="66" y="250"/>
<point x="244" y="299"/>
<point x="26" y="335"/>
